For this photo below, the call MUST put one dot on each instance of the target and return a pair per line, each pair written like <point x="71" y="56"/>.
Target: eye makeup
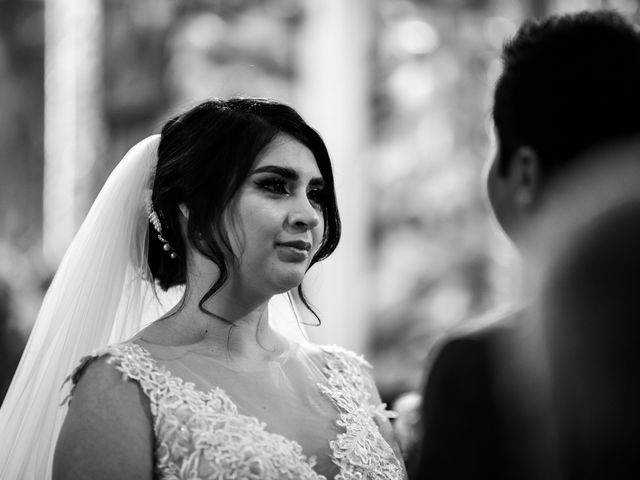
<point x="282" y="180"/>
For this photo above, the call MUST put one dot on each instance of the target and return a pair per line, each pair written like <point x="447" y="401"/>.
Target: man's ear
<point x="185" y="211"/>
<point x="524" y="177"/>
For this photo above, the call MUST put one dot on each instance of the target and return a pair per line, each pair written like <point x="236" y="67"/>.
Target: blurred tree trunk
<point x="334" y="96"/>
<point x="21" y="77"/>
<point x="73" y="117"/>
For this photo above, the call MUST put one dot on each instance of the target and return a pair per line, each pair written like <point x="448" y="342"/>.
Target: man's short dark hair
<point x="570" y="83"/>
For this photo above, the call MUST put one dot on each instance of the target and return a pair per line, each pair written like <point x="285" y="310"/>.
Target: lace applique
<point x="201" y="435"/>
<point x="360" y="451"/>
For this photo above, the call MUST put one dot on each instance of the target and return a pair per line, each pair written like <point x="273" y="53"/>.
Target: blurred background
<point x="400" y="90"/>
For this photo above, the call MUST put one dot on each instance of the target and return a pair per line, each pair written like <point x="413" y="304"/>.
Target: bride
<point x="229" y="207"/>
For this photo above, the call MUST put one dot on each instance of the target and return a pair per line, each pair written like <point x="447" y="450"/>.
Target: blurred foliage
<point x="436" y="64"/>
<point x="433" y="66"/>
<point x="21" y="147"/>
<point x="437" y="251"/>
<point x="21" y="121"/>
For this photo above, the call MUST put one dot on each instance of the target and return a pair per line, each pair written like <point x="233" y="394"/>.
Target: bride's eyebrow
<point x="285" y="172"/>
<point x="288" y="173"/>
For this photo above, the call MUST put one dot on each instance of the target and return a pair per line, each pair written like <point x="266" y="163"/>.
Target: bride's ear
<point x="183" y="219"/>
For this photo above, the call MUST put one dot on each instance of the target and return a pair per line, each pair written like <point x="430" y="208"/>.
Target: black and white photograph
<point x="319" y="239"/>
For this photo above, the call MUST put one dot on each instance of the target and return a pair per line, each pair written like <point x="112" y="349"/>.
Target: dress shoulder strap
<point x="346" y="369"/>
<point x="132" y="360"/>
<point x="346" y="356"/>
<point x="360" y="449"/>
<point x="348" y="377"/>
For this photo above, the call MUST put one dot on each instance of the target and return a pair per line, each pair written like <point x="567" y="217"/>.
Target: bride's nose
<point x="303" y="214"/>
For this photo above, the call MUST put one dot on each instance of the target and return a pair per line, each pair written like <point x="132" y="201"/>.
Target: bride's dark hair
<point x="205" y="155"/>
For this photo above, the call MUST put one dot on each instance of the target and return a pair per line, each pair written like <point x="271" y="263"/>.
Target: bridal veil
<point x="101" y="294"/>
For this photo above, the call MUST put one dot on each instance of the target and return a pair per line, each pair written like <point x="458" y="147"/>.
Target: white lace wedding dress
<point x="311" y="413"/>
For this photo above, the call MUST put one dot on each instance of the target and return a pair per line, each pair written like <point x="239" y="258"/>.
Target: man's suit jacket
<point x="484" y="405"/>
<point x="551" y="394"/>
<point x="591" y="320"/>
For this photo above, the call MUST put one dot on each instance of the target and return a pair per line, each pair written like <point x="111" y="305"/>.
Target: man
<point x="570" y="88"/>
<point x="591" y="330"/>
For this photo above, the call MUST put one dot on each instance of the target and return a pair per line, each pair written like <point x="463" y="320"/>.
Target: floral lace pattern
<point x="360" y="451"/>
<point x="201" y="435"/>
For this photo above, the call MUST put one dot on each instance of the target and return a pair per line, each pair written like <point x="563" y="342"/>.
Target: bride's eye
<point x="317" y="196"/>
<point x="273" y="185"/>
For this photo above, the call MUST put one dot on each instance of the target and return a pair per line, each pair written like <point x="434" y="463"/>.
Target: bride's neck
<point x="234" y="320"/>
<point x="228" y="321"/>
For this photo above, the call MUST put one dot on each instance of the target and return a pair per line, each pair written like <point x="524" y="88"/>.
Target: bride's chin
<point x="284" y="283"/>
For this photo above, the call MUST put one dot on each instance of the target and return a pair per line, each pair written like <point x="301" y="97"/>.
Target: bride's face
<point x="277" y="218"/>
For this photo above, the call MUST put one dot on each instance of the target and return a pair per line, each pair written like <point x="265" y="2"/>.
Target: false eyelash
<point x="273" y="185"/>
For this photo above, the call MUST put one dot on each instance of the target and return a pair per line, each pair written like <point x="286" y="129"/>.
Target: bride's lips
<point x="294" y="251"/>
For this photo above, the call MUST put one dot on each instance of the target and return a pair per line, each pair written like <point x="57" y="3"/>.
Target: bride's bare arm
<point x="108" y="431"/>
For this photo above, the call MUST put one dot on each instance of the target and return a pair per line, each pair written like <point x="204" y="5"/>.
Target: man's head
<point x="570" y="85"/>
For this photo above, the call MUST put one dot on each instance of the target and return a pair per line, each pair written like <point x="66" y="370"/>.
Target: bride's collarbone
<point x="223" y="347"/>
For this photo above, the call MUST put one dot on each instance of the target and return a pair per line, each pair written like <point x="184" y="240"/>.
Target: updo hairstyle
<point x="204" y="157"/>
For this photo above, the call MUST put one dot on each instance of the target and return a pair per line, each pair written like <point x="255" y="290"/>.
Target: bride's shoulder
<point x="98" y="375"/>
<point x="105" y="368"/>
<point x="106" y="410"/>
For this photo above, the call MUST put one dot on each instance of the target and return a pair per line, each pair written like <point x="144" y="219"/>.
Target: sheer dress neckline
<point x="223" y="402"/>
<point x="226" y="362"/>
<point x="202" y="434"/>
